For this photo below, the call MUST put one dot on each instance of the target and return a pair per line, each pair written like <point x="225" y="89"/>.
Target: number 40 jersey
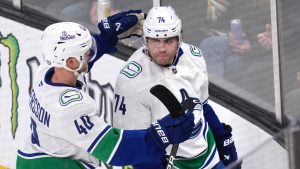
<point x="67" y="132"/>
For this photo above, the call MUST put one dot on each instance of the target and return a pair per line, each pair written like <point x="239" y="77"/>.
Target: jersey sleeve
<point x="104" y="46"/>
<point x="111" y="145"/>
<point x="137" y="115"/>
<point x="204" y="87"/>
<point x="199" y="61"/>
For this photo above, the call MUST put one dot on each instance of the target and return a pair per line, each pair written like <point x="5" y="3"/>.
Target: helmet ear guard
<point x="63" y="40"/>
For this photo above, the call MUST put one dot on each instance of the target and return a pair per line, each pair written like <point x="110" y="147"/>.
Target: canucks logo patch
<point x="132" y="69"/>
<point x="195" y="51"/>
<point x="69" y="96"/>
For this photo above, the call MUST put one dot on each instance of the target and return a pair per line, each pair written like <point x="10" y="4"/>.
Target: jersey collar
<point x="48" y="76"/>
<point x="180" y="52"/>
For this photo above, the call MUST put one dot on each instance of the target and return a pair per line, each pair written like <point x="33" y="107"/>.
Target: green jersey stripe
<point x="200" y="161"/>
<point x="116" y="147"/>
<point x="48" y="163"/>
<point x="106" y="145"/>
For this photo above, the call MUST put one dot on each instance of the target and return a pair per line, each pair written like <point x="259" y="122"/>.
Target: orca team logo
<point x="191" y="104"/>
<point x="69" y="96"/>
<point x="132" y="69"/>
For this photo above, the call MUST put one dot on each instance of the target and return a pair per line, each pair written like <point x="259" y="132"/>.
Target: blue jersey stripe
<point x="87" y="165"/>
<point x="205" y="131"/>
<point x="211" y="157"/>
<point x="31" y="154"/>
<point x="97" y="139"/>
<point x="197" y="129"/>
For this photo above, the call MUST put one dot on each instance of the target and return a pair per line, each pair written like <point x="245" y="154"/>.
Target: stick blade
<point x="167" y="98"/>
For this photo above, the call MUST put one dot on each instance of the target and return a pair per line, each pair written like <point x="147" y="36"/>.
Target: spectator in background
<point x="76" y="10"/>
<point x="71" y="10"/>
<point x="94" y="13"/>
<point x="225" y="57"/>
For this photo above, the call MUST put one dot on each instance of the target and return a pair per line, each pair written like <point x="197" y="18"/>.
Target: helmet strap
<point x="75" y="71"/>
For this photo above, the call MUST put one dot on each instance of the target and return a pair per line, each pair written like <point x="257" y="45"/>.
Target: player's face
<point x="162" y="50"/>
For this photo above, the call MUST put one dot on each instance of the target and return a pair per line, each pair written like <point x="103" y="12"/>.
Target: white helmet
<point x="162" y="22"/>
<point x="67" y="39"/>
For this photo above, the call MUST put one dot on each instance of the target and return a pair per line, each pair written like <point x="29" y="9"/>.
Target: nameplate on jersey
<point x="69" y="96"/>
<point x="132" y="69"/>
<point x="195" y="51"/>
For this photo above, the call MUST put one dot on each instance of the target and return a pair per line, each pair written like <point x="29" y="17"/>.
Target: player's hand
<point x="172" y="130"/>
<point x="226" y="147"/>
<point x="123" y="25"/>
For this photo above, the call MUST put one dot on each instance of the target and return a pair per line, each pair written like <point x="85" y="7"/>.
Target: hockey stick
<point x="174" y="107"/>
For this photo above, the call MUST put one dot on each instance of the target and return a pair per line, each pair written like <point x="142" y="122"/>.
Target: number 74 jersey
<point x="136" y="108"/>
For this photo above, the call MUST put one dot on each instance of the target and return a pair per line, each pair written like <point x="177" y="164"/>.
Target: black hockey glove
<point x="172" y="130"/>
<point x="226" y="147"/>
<point x="122" y="25"/>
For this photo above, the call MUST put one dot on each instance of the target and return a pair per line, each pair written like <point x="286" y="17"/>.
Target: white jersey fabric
<point x="136" y="108"/>
<point x="53" y="132"/>
<point x="67" y="131"/>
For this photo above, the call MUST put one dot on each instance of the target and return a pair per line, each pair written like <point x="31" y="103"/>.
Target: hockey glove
<point x="222" y="135"/>
<point x="123" y="25"/>
<point x="226" y="147"/>
<point x="172" y="130"/>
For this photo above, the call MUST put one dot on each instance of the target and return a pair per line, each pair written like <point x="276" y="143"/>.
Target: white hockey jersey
<point x="136" y="108"/>
<point x="67" y="132"/>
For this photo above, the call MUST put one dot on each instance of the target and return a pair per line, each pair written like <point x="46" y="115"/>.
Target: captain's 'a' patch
<point x="195" y="51"/>
<point x="69" y="96"/>
<point x="132" y="69"/>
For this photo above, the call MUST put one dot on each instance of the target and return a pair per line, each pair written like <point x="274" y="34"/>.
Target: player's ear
<point x="72" y="63"/>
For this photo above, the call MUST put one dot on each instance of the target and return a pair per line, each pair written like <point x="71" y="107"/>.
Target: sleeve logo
<point x="132" y="69"/>
<point x="69" y="96"/>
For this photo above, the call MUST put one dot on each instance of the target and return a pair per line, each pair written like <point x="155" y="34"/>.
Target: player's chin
<point x="163" y="61"/>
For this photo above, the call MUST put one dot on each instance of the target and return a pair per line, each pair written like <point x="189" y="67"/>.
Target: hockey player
<point x="66" y="130"/>
<point x="165" y="59"/>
